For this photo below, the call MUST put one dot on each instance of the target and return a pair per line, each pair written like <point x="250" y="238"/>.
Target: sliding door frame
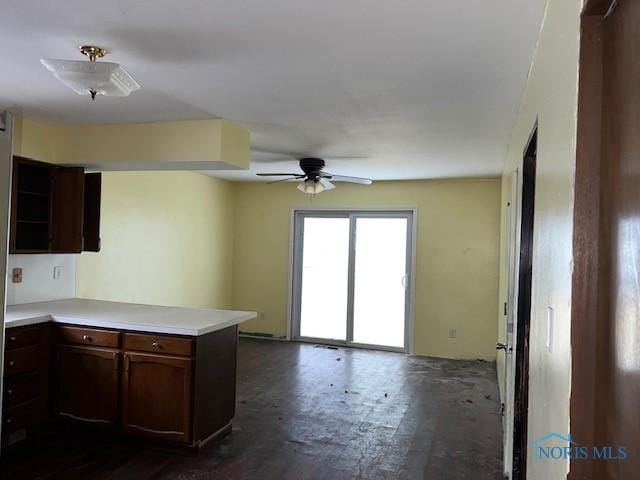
<point x="295" y="273"/>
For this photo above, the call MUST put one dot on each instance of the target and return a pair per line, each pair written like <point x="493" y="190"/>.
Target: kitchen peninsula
<point x="166" y="373"/>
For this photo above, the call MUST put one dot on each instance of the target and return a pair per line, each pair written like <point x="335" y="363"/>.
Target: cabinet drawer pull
<point x="86" y="338"/>
<point x="9" y="392"/>
<point x="155" y="344"/>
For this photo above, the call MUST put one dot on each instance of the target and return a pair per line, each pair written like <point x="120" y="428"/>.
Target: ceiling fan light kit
<point x="314" y="179"/>
<point x="313" y="187"/>
<point x="92" y="77"/>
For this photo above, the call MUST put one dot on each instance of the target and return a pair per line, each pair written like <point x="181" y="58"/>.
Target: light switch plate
<point x="57" y="272"/>
<point x="453" y="333"/>
<point x="16" y="275"/>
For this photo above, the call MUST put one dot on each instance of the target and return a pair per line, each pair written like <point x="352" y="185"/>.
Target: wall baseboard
<point x="261" y="336"/>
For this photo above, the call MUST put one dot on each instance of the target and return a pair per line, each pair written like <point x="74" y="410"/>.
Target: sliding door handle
<point x="405" y="281"/>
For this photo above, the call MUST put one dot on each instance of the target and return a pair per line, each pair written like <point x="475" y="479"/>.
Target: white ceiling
<point x="406" y="88"/>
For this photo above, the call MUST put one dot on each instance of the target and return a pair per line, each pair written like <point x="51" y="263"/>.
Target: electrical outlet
<point x="16" y="275"/>
<point x="453" y="333"/>
<point x="57" y="272"/>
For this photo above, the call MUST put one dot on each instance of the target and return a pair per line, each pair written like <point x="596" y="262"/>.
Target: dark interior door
<point x="521" y="393"/>
<point x="606" y="293"/>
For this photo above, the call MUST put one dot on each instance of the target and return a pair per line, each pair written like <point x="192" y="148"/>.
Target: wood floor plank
<point x="311" y="413"/>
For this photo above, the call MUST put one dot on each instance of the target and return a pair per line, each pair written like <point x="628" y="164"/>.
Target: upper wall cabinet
<point x="54" y="209"/>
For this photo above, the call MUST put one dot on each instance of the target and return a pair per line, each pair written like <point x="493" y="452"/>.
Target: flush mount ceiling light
<point x="92" y="77"/>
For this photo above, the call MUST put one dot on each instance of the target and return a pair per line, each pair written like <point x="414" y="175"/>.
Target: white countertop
<point x="125" y="316"/>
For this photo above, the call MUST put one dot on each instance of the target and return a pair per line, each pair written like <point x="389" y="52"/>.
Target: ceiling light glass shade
<point x="313" y="187"/>
<point x="103" y="78"/>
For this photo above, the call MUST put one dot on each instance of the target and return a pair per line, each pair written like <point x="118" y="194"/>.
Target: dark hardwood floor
<point x="308" y="412"/>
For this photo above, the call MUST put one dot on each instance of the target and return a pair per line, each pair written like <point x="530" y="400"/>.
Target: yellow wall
<point x="167" y="239"/>
<point x="186" y="145"/>
<point x="457" y="256"/>
<point x="551" y="98"/>
<point x="36" y="140"/>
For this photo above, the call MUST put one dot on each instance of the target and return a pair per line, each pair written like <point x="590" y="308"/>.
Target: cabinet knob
<point x="155" y="345"/>
<point x="11" y="363"/>
<point x="9" y="392"/>
<point x="12" y="339"/>
<point x="8" y="421"/>
<point x="86" y="338"/>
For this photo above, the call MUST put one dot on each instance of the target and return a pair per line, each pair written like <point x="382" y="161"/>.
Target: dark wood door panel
<point x="87" y="384"/>
<point x="606" y="298"/>
<point x="156" y="396"/>
<point x="68" y="210"/>
<point x="91" y="224"/>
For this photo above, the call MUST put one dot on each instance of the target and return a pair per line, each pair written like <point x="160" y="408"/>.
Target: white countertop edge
<point x="136" y="327"/>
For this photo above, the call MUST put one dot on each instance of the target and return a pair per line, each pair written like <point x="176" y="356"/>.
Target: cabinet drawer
<point x="21" y="360"/>
<point x="21" y="416"/>
<point x="22" y="337"/>
<point x="21" y="389"/>
<point x="158" y="344"/>
<point x="88" y="336"/>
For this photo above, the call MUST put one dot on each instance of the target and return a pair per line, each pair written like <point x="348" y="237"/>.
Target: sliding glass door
<point x="351" y="278"/>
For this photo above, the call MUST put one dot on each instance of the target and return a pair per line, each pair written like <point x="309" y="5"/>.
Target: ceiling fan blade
<point x="326" y="183"/>
<point x="344" y="178"/>
<point x="279" y="174"/>
<point x="297" y="177"/>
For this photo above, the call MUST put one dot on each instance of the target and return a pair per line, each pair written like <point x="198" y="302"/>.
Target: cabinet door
<point x="87" y="384"/>
<point x="68" y="210"/>
<point x="156" y="396"/>
<point x="92" y="196"/>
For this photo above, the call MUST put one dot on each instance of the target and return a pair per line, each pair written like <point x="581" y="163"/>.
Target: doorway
<point x="521" y="392"/>
<point x="351" y="282"/>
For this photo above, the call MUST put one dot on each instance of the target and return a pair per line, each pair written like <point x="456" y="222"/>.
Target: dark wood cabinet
<point x="48" y="213"/>
<point x="67" y="210"/>
<point x="175" y="388"/>
<point x="87" y="384"/>
<point x="31" y="207"/>
<point x="156" y="396"/>
<point x="26" y="381"/>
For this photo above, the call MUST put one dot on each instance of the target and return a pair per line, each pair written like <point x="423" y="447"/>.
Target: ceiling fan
<point x="314" y="179"/>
